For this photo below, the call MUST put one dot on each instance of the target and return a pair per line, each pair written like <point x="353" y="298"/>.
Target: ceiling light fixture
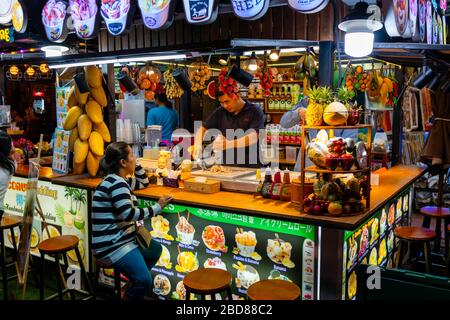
<point x="253" y="64"/>
<point x="359" y="26"/>
<point x="54" y="51"/>
<point x="274" y="55"/>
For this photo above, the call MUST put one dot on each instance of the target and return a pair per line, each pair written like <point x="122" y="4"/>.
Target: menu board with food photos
<point x="250" y="248"/>
<point x="374" y="242"/>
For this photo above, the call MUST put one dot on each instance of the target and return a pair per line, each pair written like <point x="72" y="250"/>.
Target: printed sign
<point x="65" y="210"/>
<point x="85" y="18"/>
<point x="308" y="6"/>
<point x="250" y="9"/>
<point x="157" y="14"/>
<point x="60" y="162"/>
<point x="7" y="35"/>
<point x="118" y="15"/>
<point x="54" y="18"/>
<point x="374" y="242"/>
<point x="250" y="248"/>
<point x="201" y="11"/>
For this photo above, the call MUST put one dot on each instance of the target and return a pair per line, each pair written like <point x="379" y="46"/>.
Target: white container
<point x="116" y="26"/>
<point x="85" y="28"/>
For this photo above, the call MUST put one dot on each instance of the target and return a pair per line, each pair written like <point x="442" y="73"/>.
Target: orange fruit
<point x="149" y="95"/>
<point x="145" y="84"/>
<point x="359" y="69"/>
<point x="154" y="78"/>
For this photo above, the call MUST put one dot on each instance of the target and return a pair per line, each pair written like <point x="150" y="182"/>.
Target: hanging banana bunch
<point x="173" y="90"/>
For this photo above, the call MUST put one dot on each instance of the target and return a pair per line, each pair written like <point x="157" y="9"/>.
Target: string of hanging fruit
<point x="88" y="131"/>
<point x="173" y="90"/>
<point x="199" y="73"/>
<point x="265" y="76"/>
<point x="227" y="85"/>
<point x="148" y="78"/>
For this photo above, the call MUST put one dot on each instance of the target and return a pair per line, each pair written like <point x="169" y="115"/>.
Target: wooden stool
<point x="57" y="246"/>
<point x="273" y="290"/>
<point x="438" y="213"/>
<point x="208" y="282"/>
<point x="415" y="234"/>
<point x="8" y="223"/>
<point x="117" y="286"/>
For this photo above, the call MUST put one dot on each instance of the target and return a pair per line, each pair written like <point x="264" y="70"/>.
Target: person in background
<point x="7" y="166"/>
<point x="297" y="115"/>
<point x="114" y="217"/>
<point x="164" y="115"/>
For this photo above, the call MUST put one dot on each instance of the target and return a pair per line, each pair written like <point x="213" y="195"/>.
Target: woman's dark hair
<point x="115" y="152"/>
<point x="162" y="97"/>
<point x="5" y="150"/>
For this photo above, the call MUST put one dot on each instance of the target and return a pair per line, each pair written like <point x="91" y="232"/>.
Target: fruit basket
<point x="332" y="157"/>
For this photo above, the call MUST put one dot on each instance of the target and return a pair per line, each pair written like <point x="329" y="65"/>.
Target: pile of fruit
<point x="334" y="110"/>
<point x="173" y="90"/>
<point x="89" y="132"/>
<point x="335" y="197"/>
<point x="227" y="85"/>
<point x="265" y="76"/>
<point x="148" y="79"/>
<point x="199" y="73"/>
<point x="337" y="154"/>
<point x="307" y="66"/>
<point x="358" y="79"/>
<point x="23" y="147"/>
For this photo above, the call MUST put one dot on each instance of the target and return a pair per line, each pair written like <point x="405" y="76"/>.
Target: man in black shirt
<point x="235" y="127"/>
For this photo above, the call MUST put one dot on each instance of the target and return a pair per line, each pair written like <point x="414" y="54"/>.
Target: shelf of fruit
<point x="336" y="155"/>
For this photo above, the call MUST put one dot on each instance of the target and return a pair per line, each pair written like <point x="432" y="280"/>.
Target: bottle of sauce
<point x="286" y="187"/>
<point x="267" y="185"/>
<point x="275" y="190"/>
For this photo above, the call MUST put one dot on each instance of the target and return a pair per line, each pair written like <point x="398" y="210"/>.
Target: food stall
<point x="240" y="228"/>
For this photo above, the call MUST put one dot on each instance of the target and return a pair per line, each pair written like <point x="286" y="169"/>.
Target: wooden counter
<point x="392" y="182"/>
<point x="45" y="173"/>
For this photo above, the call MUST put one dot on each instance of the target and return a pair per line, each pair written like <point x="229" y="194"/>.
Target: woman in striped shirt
<point x="114" y="216"/>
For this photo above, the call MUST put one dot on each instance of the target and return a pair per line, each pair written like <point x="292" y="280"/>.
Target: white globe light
<point x="358" y="44"/>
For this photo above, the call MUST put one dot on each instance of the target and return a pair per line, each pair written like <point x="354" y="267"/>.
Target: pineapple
<point x="344" y="96"/>
<point x="319" y="98"/>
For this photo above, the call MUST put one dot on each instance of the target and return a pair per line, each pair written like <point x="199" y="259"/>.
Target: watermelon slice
<point x="211" y="90"/>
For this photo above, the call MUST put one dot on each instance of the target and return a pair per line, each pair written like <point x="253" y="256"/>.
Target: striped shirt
<point x="114" y="214"/>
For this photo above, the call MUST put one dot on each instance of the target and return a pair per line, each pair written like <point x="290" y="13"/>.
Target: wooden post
<point x="110" y="117"/>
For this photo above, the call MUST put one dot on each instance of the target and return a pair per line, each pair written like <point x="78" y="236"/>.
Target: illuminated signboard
<point x="250" y="9"/>
<point x="201" y="11"/>
<point x="308" y="6"/>
<point x="19" y="16"/>
<point x="157" y="14"/>
<point x="54" y="19"/>
<point x="118" y="15"/>
<point x="85" y="18"/>
<point x="7" y="35"/>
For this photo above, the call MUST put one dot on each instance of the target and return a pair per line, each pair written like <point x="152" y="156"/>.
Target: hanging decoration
<point x="54" y="18"/>
<point x="44" y="72"/>
<point x="19" y="16"/>
<point x="173" y="90"/>
<point x="265" y="77"/>
<point x="118" y="15"/>
<point x="199" y="73"/>
<point x="201" y="11"/>
<point x="227" y="85"/>
<point x="157" y="14"/>
<point x="250" y="9"/>
<point x="85" y="16"/>
<point x="30" y="74"/>
<point x="148" y="79"/>
<point x="14" y="73"/>
<point x="308" y="6"/>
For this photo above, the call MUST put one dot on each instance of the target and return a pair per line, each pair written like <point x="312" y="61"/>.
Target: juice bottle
<point x="267" y="185"/>
<point x="286" y="187"/>
<point x="275" y="190"/>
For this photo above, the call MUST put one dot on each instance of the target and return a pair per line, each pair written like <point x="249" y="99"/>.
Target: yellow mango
<point x="73" y="137"/>
<point x="93" y="76"/>
<point x="96" y="144"/>
<point x="78" y="168"/>
<point x="72" y="118"/>
<point x="72" y="100"/>
<point x="93" y="163"/>
<point x="82" y="98"/>
<point x="103" y="130"/>
<point x="99" y="95"/>
<point x="94" y="111"/>
<point x="84" y="127"/>
<point x="80" y="150"/>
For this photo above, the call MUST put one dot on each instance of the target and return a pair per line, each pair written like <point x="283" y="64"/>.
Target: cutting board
<point x="234" y="173"/>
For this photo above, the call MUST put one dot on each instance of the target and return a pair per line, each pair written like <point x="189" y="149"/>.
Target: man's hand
<point x="302" y="114"/>
<point x="164" y="201"/>
<point x="219" y="143"/>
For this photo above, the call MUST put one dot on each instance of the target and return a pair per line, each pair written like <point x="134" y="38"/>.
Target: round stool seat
<point x="273" y="290"/>
<point x="58" y="244"/>
<point x="414" y="233"/>
<point x="10" y="222"/>
<point x="435" y="212"/>
<point x="206" y="281"/>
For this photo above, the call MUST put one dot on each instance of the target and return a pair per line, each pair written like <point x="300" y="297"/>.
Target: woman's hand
<point x="164" y="201"/>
